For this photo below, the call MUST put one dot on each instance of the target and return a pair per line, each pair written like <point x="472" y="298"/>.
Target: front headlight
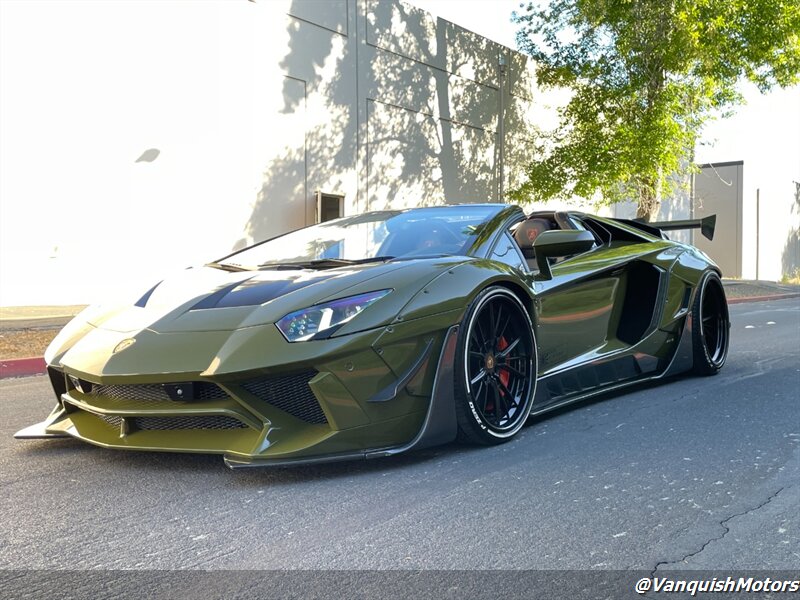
<point x="322" y="320"/>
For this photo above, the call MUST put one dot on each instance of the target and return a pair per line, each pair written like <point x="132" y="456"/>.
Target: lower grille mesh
<point x="172" y="423"/>
<point x="153" y="393"/>
<point x="291" y="394"/>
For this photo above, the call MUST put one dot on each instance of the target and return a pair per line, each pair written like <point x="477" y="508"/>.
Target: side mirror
<point x="560" y="242"/>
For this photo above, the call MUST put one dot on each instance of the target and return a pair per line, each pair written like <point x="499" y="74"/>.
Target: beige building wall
<point x="767" y="144"/>
<point x="718" y="191"/>
<point x="758" y="217"/>
<point x="142" y="137"/>
<point x="757" y="204"/>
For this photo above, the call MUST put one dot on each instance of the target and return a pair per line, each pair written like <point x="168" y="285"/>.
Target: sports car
<point x="385" y="332"/>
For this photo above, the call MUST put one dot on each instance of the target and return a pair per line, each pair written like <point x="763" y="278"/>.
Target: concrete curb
<point x="22" y="367"/>
<point x="25" y="367"/>
<point x="762" y="298"/>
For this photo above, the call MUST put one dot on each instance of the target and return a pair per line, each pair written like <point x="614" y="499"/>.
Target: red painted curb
<point x="22" y="367"/>
<point x="762" y="298"/>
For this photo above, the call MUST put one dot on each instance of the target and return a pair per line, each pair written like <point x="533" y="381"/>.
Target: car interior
<point x="526" y="232"/>
<point x="435" y="236"/>
<point x="422" y="237"/>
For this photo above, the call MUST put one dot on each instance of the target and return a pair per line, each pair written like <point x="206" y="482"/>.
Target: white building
<point x="753" y="176"/>
<point x="147" y="136"/>
<point x="141" y="137"/>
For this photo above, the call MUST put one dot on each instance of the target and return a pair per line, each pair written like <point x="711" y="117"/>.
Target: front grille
<point x="146" y="394"/>
<point x="155" y="393"/>
<point x="291" y="394"/>
<point x="172" y="423"/>
<point x="189" y="422"/>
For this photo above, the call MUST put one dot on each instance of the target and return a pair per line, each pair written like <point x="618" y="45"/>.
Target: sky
<point x="489" y="18"/>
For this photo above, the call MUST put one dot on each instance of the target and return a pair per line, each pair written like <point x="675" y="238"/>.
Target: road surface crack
<point x="725" y="529"/>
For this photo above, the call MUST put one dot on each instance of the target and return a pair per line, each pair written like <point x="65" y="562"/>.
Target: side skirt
<point x="680" y="362"/>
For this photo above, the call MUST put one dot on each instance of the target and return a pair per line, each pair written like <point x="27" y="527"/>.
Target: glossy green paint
<point x="575" y="313"/>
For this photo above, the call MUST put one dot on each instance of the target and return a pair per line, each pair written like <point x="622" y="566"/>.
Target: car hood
<point x="209" y="299"/>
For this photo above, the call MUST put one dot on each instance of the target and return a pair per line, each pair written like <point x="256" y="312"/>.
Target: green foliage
<point x="791" y="278"/>
<point x="645" y="76"/>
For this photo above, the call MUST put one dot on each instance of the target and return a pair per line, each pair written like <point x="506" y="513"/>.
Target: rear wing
<point x="706" y="225"/>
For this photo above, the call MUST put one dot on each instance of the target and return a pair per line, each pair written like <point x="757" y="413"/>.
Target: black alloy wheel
<point x="496" y="374"/>
<point x="711" y="326"/>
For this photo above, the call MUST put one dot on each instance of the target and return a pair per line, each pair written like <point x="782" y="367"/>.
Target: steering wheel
<point x="437" y="234"/>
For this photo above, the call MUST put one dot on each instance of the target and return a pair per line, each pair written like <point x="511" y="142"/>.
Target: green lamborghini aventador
<point x="384" y="332"/>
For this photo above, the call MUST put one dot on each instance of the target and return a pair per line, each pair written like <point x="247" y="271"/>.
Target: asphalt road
<point x="694" y="473"/>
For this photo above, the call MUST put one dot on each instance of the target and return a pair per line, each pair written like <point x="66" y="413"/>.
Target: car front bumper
<point x="367" y="395"/>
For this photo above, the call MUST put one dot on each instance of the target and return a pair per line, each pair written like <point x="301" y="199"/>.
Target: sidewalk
<point x="25" y="331"/>
<point x="26" y="313"/>
<point x="738" y="290"/>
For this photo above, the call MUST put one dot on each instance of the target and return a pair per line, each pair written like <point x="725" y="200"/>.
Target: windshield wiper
<point x="233" y="268"/>
<point x="323" y="263"/>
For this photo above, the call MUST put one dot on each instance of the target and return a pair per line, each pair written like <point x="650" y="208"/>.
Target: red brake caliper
<point x="502" y="344"/>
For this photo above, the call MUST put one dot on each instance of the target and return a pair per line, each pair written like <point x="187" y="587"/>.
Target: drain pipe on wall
<point x="501" y="129"/>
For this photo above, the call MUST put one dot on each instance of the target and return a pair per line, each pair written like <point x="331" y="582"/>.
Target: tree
<point x="645" y="75"/>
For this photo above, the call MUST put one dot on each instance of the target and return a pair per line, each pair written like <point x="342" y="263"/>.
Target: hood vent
<point x="254" y="292"/>
<point x="142" y="302"/>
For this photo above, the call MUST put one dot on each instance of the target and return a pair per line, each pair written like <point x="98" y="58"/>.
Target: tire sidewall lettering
<point x="477" y="419"/>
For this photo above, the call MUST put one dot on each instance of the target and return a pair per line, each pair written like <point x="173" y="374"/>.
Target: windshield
<point x="373" y="236"/>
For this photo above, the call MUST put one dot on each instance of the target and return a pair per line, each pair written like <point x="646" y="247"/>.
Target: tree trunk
<point x="649" y="197"/>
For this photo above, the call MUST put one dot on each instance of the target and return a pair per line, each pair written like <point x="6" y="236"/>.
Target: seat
<point x="527" y="232"/>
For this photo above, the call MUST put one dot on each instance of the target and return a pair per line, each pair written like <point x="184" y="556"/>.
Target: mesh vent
<point x="189" y="422"/>
<point x="209" y="391"/>
<point x="154" y="393"/>
<point x="147" y="394"/>
<point x="173" y="423"/>
<point x="291" y="394"/>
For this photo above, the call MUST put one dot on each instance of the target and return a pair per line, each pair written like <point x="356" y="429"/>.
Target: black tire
<point x="710" y="325"/>
<point x="495" y="368"/>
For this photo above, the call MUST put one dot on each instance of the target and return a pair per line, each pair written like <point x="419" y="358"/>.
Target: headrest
<point x="529" y="230"/>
